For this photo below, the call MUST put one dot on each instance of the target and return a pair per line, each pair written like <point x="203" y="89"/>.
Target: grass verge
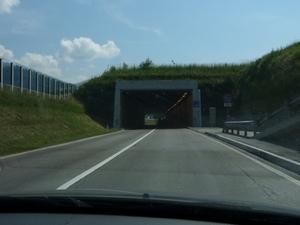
<point x="30" y="122"/>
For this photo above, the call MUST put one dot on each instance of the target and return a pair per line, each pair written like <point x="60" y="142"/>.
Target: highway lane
<point x="48" y="168"/>
<point x="168" y="161"/>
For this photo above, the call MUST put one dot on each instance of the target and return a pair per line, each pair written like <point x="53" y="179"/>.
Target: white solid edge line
<point x="264" y="151"/>
<point x="293" y="180"/>
<point x="87" y="172"/>
<point x="58" y="145"/>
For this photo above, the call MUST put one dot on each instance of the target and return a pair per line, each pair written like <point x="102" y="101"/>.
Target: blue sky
<point x="74" y="40"/>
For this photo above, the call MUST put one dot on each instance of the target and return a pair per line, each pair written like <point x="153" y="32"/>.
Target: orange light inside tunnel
<point x="181" y="98"/>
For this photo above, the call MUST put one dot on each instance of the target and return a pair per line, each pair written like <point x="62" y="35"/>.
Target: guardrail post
<point x="238" y="131"/>
<point x="286" y="110"/>
<point x="255" y="127"/>
<point x="245" y="131"/>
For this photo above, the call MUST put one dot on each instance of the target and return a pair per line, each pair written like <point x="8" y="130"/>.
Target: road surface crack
<point x="268" y="191"/>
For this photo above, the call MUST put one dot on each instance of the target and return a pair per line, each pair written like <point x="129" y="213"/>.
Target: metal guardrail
<point x="240" y="126"/>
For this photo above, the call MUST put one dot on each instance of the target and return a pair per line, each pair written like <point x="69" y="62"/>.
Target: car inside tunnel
<point x="165" y="104"/>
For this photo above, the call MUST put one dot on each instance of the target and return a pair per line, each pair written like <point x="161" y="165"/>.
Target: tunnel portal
<point x="171" y="103"/>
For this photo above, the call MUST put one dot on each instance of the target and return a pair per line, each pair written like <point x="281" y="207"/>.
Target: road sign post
<point x="227" y="98"/>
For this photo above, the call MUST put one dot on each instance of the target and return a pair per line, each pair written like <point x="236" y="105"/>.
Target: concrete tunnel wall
<point x="186" y="108"/>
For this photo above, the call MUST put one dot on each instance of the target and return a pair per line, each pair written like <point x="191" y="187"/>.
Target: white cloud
<point x="85" y="48"/>
<point x="43" y="63"/>
<point x="6" y="5"/>
<point x="5" y="53"/>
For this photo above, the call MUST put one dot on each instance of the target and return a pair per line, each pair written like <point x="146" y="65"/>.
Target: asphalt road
<point x="171" y="162"/>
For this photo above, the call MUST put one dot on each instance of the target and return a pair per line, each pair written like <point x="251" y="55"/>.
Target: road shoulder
<point x="276" y="154"/>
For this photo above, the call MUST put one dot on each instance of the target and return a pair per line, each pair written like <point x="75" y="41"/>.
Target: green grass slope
<point x="29" y="122"/>
<point x="267" y="82"/>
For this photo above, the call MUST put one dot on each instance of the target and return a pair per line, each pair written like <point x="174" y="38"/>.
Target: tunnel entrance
<point x="140" y="104"/>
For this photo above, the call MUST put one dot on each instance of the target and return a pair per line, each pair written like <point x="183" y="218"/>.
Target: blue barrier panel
<point x="46" y="84"/>
<point x="40" y="80"/>
<point x="25" y="78"/>
<point x="57" y="88"/>
<point x="7" y="73"/>
<point x="17" y="76"/>
<point x="61" y="89"/>
<point x="52" y="86"/>
<point x="33" y="80"/>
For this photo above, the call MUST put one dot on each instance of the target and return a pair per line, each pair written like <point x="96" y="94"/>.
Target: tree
<point x="112" y="69"/>
<point x="125" y="66"/>
<point x="146" y="64"/>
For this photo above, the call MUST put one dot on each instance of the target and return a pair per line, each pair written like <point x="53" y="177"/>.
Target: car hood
<point x="90" y="198"/>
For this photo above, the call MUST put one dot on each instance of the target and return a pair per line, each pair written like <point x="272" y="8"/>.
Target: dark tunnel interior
<point x="156" y="108"/>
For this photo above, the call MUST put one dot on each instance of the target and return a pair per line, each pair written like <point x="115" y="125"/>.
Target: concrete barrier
<point x="281" y="129"/>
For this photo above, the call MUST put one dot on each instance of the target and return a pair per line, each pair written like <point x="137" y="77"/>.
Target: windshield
<point x="195" y="99"/>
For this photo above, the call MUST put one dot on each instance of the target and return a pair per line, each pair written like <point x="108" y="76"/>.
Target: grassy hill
<point x="257" y="87"/>
<point x="29" y="122"/>
<point x="214" y="81"/>
<point x="265" y="83"/>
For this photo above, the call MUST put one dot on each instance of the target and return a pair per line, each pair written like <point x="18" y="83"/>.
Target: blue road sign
<point x="196" y="104"/>
<point x="227" y="98"/>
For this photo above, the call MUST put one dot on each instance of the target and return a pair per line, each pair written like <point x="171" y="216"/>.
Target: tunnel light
<point x="182" y="97"/>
